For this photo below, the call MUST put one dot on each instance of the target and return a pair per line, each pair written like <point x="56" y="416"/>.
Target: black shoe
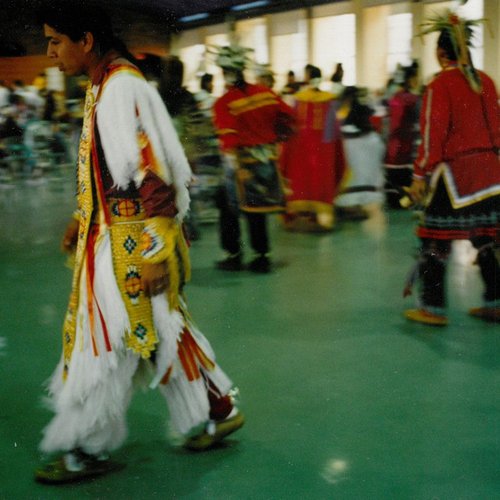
<point x="260" y="264"/>
<point x="231" y="263"/>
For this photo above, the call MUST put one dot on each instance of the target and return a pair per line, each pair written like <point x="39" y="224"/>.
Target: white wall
<point x="292" y="42"/>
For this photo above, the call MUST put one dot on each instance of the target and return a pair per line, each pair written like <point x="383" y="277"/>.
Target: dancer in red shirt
<point x="457" y="172"/>
<point x="313" y="160"/>
<point x="403" y="109"/>
<point x="249" y="120"/>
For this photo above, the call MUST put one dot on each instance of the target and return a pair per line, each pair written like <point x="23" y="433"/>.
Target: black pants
<point x="229" y="227"/>
<point x="432" y="270"/>
<point x="396" y="178"/>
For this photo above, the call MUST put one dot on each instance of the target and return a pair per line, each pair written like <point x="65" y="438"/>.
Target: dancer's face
<point x="72" y="58"/>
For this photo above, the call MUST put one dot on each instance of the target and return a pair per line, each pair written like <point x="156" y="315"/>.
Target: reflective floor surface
<point x="344" y="399"/>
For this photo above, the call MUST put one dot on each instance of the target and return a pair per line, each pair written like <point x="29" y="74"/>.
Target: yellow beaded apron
<point x="125" y="220"/>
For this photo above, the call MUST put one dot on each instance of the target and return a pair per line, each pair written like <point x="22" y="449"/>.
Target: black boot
<point x="233" y="262"/>
<point x="260" y="264"/>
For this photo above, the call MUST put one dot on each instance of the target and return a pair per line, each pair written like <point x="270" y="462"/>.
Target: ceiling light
<point x="194" y="17"/>
<point x="251" y="5"/>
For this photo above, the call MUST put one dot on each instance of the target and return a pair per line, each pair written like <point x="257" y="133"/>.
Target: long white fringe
<point x="93" y="421"/>
<point x="90" y="406"/>
<point x="126" y="103"/>
<point x="169" y="326"/>
<point x="187" y="400"/>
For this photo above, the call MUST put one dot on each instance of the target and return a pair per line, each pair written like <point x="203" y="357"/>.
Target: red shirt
<point x="247" y="117"/>
<point x="456" y="121"/>
<point x="403" y="115"/>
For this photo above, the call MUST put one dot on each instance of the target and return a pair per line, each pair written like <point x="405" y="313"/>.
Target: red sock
<point x="220" y="406"/>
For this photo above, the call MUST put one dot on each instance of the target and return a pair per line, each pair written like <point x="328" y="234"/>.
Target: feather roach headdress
<point x="460" y="33"/>
<point x="232" y="56"/>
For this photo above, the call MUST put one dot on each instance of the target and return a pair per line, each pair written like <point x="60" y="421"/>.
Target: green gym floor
<point x="344" y="398"/>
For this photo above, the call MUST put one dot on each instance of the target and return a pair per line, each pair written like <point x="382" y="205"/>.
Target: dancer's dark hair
<point x="75" y="19"/>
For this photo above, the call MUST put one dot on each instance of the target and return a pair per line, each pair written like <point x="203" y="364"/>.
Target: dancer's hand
<point x="154" y="278"/>
<point x="418" y="190"/>
<point x="70" y="237"/>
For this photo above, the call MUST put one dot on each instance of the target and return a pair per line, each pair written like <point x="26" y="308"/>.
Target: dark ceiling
<point x="148" y="20"/>
<point x="179" y="8"/>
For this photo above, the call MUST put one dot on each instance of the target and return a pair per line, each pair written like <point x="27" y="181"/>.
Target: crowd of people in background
<point x="385" y="123"/>
<point x="36" y="129"/>
<point x="350" y="152"/>
<point x="347" y="154"/>
<point x="315" y="152"/>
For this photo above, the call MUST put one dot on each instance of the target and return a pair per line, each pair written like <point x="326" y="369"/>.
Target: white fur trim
<point x="90" y="406"/>
<point x="188" y="401"/>
<point x="93" y="420"/>
<point x="126" y="103"/>
<point x="169" y="326"/>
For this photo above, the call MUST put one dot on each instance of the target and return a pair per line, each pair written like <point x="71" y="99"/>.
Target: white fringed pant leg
<point x="90" y="405"/>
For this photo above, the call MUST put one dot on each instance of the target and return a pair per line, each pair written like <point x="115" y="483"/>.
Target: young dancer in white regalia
<point x="126" y="310"/>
